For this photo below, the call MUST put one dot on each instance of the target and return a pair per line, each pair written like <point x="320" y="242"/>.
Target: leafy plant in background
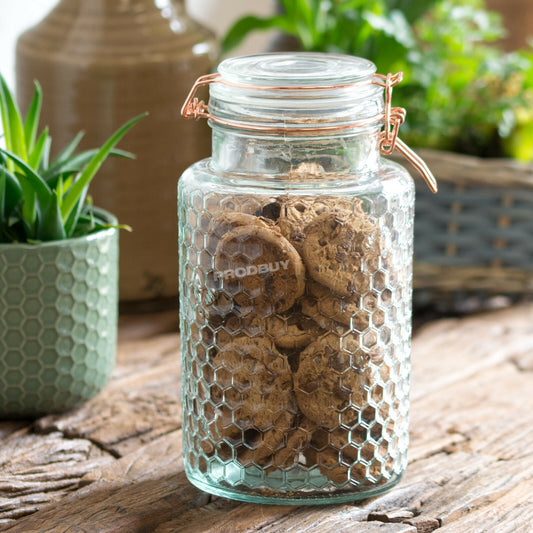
<point x="43" y="200"/>
<point x="461" y="91"/>
<point x="377" y="29"/>
<point x="464" y="93"/>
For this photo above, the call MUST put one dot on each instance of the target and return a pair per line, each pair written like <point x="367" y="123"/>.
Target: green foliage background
<point x="462" y="92"/>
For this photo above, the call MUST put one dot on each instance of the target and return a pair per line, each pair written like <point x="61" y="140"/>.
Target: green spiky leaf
<point x="31" y="124"/>
<point x="30" y="179"/>
<point x="73" y="221"/>
<point x="73" y="164"/>
<point x="50" y="227"/>
<point x="42" y="200"/>
<point x="12" y="122"/>
<point x="92" y="168"/>
<point x="2" y="196"/>
<point x="12" y="191"/>
<point x="37" y="150"/>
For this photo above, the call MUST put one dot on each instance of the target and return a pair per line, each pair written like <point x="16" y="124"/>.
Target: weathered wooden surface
<point x="115" y="465"/>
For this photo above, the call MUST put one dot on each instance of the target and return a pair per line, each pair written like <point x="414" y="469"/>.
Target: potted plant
<point x="468" y="114"/>
<point x="58" y="268"/>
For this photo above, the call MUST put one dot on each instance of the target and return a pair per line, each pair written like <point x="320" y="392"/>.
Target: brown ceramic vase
<point x="101" y="62"/>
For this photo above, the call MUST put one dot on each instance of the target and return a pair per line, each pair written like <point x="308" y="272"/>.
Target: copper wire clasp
<point x="388" y="140"/>
<point x="194" y="108"/>
<point x="394" y="116"/>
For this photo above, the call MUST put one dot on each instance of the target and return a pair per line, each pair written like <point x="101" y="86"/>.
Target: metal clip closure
<point x="388" y="140"/>
<point x="394" y="117"/>
<point x="194" y="108"/>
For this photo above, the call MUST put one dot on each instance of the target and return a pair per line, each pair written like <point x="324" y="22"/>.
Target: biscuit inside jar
<point x="260" y="269"/>
<point x="292" y="300"/>
<point x="252" y="391"/>
<point x="331" y="379"/>
<point x="342" y="252"/>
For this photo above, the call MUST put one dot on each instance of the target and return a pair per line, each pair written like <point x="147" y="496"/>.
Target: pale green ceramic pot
<point x="58" y="321"/>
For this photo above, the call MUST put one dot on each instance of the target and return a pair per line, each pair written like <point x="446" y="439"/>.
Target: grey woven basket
<point x="476" y="234"/>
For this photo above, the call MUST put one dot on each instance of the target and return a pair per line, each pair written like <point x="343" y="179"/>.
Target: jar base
<point x="267" y="494"/>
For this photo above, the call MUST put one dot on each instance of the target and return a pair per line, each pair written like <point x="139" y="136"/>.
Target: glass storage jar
<point x="295" y="245"/>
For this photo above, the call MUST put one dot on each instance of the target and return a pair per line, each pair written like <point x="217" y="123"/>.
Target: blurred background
<point x="17" y="16"/>
<point x="468" y="89"/>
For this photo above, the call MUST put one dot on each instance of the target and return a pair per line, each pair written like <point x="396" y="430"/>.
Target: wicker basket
<point x="476" y="234"/>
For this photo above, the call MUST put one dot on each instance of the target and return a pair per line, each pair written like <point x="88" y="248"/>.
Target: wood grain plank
<point x="452" y="350"/>
<point x="511" y="513"/>
<point x="472" y="482"/>
<point x="145" y="325"/>
<point x="225" y="515"/>
<point x="7" y="427"/>
<point x="323" y="521"/>
<point x="491" y="413"/>
<point x="134" y="357"/>
<point x="37" y="470"/>
<point x="222" y="516"/>
<point x="140" y="404"/>
<point x="147" y="491"/>
<point x="132" y="494"/>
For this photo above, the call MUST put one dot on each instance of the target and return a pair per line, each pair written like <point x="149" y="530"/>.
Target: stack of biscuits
<point x="285" y="377"/>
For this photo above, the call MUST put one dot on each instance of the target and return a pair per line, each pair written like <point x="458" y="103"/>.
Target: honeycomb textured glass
<point x="295" y="316"/>
<point x="58" y="318"/>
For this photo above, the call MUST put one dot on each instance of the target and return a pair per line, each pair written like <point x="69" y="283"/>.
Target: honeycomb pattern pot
<point x="58" y="322"/>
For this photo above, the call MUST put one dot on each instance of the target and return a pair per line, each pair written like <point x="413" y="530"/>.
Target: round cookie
<point x="296" y="212"/>
<point x="253" y="393"/>
<point x="341" y="252"/>
<point x="226" y="222"/>
<point x="259" y="447"/>
<point x="336" y="454"/>
<point x="340" y="469"/>
<point x="329" y="310"/>
<point x="260" y="270"/>
<point x="292" y="332"/>
<point x="287" y="451"/>
<point x="330" y="380"/>
<point x="211" y="204"/>
<point x="221" y="224"/>
<point x="296" y="441"/>
<point x="309" y="308"/>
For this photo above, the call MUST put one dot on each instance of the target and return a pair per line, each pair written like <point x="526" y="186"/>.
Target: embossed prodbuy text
<point x="252" y="270"/>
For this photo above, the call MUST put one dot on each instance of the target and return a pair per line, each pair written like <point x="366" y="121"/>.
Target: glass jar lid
<point x="291" y="69"/>
<point x="297" y="92"/>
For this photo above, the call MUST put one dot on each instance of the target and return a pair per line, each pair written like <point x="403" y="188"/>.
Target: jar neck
<point x="241" y="152"/>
